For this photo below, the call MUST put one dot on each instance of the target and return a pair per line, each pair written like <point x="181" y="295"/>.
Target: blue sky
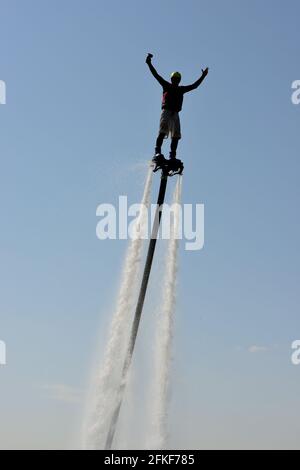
<point x="81" y="118"/>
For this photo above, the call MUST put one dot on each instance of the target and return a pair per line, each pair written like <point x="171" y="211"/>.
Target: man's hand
<point x="149" y="57"/>
<point x="160" y="80"/>
<point x="205" y="72"/>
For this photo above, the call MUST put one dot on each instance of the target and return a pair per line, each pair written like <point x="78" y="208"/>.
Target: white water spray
<point x="164" y="335"/>
<point x="103" y="395"/>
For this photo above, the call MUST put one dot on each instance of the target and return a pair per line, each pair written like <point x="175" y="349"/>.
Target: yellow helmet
<point x="176" y="75"/>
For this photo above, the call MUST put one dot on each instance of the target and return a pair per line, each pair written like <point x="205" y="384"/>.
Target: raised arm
<point x="160" y="80"/>
<point x="198" y="82"/>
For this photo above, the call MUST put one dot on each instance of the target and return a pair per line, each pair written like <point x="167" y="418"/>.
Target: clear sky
<point x="81" y="118"/>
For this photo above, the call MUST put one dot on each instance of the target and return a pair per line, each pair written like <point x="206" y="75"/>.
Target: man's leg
<point x="174" y="144"/>
<point x="159" y="142"/>
<point x="176" y="134"/>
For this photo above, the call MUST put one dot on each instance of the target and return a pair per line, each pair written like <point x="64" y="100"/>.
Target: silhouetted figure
<point x="171" y="106"/>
